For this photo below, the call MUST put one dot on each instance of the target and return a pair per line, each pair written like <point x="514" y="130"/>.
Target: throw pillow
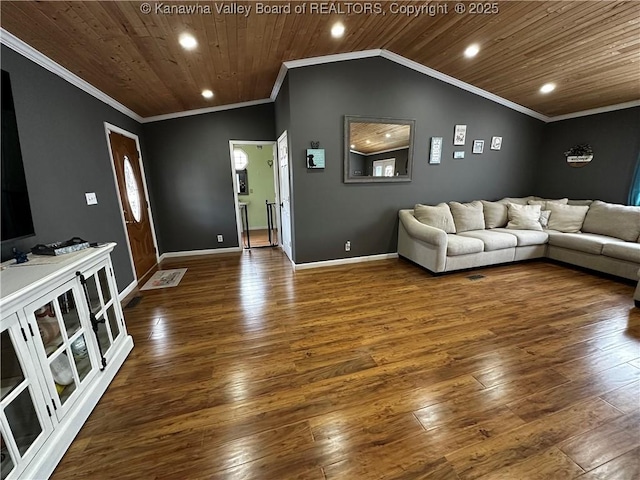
<point x="467" y="216"/>
<point x="619" y="221"/>
<point x="524" y="217"/>
<point x="567" y="218"/>
<point x="495" y="214"/>
<point x="517" y="200"/>
<point x="544" y="218"/>
<point x="544" y="203"/>
<point x="438" y="216"/>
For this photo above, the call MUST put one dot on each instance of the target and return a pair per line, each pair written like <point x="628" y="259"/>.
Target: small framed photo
<point x="478" y="146"/>
<point x="315" y="158"/>
<point x="436" y="150"/>
<point x="460" y="135"/>
<point x="458" y="154"/>
<point x="496" y="143"/>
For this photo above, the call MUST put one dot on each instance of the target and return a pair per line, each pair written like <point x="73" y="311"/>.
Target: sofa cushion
<point x="544" y="218"/>
<point x="495" y="214"/>
<point x="523" y="217"/>
<point x="467" y="216"/>
<point x="526" y="237"/>
<point x="438" y="216"/>
<point x="543" y="202"/>
<point x="583" y="242"/>
<point x="459" y="245"/>
<point x="517" y="200"/>
<point x="566" y="218"/>
<point x="615" y="220"/>
<point x="493" y="240"/>
<point x="579" y="202"/>
<point x="622" y="250"/>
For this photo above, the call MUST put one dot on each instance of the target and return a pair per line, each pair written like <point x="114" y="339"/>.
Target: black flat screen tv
<point x="17" y="221"/>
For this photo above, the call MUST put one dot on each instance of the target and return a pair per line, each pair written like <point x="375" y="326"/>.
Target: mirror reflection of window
<point x="240" y="158"/>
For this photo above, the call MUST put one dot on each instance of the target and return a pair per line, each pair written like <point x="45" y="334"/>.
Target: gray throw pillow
<point x="495" y="214"/>
<point x="467" y="216"/>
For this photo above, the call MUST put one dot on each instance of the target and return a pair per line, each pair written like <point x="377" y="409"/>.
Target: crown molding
<point x="595" y="111"/>
<point x="200" y="111"/>
<point x="27" y="51"/>
<point x="308" y="62"/>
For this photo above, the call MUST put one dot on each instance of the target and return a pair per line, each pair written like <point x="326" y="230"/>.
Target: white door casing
<point x="285" y="194"/>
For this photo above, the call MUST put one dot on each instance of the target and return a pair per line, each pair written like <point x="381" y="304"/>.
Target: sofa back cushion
<point x="495" y="214"/>
<point x="613" y="220"/>
<point x="524" y="217"/>
<point x="467" y="216"/>
<point x="438" y="216"/>
<point x="543" y="202"/>
<point x="517" y="200"/>
<point x="566" y="218"/>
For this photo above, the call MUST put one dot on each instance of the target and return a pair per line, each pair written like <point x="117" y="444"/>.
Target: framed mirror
<point x="377" y="150"/>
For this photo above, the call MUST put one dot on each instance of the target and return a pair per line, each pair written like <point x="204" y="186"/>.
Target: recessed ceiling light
<point x="472" y="50"/>
<point x="337" y="30"/>
<point x="188" y="41"/>
<point x="353" y="146"/>
<point x="368" y="141"/>
<point x="548" y="87"/>
<point x="388" y="135"/>
<point x="207" y="94"/>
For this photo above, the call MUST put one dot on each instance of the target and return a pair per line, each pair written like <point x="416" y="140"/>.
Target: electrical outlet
<point x="91" y="198"/>
<point x="220" y="240"/>
<point x="347" y="246"/>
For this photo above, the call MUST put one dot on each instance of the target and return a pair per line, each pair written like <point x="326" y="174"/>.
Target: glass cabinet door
<point x="100" y="290"/>
<point x="66" y="355"/>
<point x="25" y="423"/>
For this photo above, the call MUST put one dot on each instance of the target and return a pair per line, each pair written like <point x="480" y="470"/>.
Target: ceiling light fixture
<point x="472" y="50"/>
<point x="388" y="135"/>
<point x="353" y="146"/>
<point x="337" y="30"/>
<point x="188" y="41"/>
<point x="207" y="94"/>
<point x="548" y="87"/>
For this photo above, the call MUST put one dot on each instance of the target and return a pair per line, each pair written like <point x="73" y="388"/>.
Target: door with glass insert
<point x="61" y="332"/>
<point x="25" y="423"/>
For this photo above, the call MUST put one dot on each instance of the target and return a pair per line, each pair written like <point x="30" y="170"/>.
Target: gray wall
<point x="615" y="139"/>
<point x="188" y="170"/>
<point x="328" y="212"/>
<point x="65" y="154"/>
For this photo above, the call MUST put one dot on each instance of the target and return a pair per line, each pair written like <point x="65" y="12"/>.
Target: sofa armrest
<point x="420" y="231"/>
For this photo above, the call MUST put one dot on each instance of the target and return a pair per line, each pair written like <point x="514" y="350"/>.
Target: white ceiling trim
<point x="200" y="111"/>
<point x="595" y="111"/>
<point x="17" y="45"/>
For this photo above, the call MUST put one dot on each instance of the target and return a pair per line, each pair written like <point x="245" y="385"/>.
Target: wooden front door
<point x="126" y="161"/>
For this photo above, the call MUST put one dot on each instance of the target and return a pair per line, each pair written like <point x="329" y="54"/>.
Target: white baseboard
<point x="345" y="261"/>
<point x="127" y="290"/>
<point x="191" y="253"/>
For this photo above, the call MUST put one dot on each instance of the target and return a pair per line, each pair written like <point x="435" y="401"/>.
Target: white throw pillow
<point x="495" y="214"/>
<point x="467" y="216"/>
<point x="438" y="216"/>
<point x="567" y="218"/>
<point x="524" y="217"/>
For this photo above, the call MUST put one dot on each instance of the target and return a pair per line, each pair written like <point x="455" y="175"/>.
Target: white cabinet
<point x="63" y="340"/>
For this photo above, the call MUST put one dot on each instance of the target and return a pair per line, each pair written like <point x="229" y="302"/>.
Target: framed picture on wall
<point x="478" y="146"/>
<point x="315" y="158"/>
<point x="460" y="135"/>
<point x="496" y="143"/>
<point x="459" y="154"/>
<point x="436" y="150"/>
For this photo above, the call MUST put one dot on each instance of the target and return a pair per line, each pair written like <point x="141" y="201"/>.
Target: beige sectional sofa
<point x="453" y="236"/>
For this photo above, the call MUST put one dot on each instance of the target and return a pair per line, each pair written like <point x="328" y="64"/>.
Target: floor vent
<point x="133" y="302"/>
<point x="475" y="277"/>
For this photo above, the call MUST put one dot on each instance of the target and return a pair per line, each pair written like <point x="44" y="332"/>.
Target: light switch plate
<point x="91" y="198"/>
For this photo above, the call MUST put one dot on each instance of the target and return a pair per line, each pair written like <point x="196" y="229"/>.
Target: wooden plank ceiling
<point x="590" y="49"/>
<point x="370" y="138"/>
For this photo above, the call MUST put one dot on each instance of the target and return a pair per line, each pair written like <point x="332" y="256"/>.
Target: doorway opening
<point x="255" y="193"/>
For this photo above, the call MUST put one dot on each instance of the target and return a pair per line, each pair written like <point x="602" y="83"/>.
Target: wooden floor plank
<point x="251" y="370"/>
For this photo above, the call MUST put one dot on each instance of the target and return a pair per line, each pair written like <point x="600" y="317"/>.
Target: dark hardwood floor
<point x="249" y="370"/>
